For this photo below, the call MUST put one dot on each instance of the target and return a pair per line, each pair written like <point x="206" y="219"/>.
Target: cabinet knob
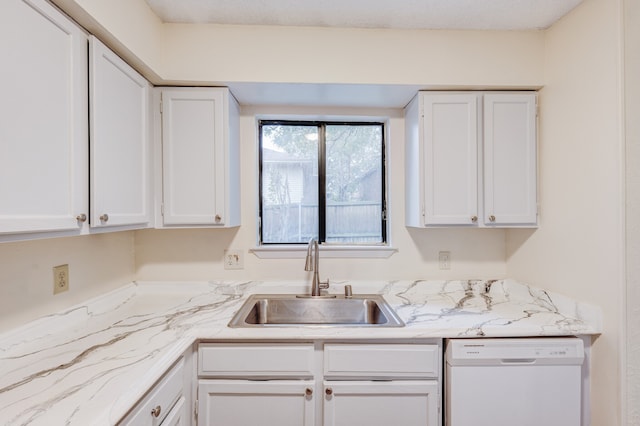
<point x="104" y="217"/>
<point x="328" y="391"/>
<point x="308" y="391"/>
<point x="474" y="219"/>
<point x="218" y="218"/>
<point x="156" y="411"/>
<point x="81" y="217"/>
<point x="492" y="218"/>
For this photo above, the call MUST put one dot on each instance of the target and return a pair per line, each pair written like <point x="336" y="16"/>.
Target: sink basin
<point x="278" y="310"/>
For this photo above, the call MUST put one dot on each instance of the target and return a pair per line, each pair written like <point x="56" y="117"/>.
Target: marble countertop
<point x="90" y="364"/>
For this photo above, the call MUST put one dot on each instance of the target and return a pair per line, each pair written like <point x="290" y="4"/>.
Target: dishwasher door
<point x="513" y="382"/>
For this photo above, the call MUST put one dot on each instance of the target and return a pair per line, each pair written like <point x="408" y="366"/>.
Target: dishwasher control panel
<point x="568" y="350"/>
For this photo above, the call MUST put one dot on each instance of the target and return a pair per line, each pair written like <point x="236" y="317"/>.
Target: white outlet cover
<point x="233" y="259"/>
<point x="444" y="259"/>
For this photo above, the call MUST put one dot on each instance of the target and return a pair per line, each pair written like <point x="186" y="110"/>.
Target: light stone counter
<point x="90" y="364"/>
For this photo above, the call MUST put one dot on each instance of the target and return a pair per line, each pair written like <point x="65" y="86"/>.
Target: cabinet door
<point x="178" y="416"/>
<point x="193" y="147"/>
<point x="244" y="402"/>
<point x="162" y="402"/>
<point x="120" y="143"/>
<point x="510" y="195"/>
<point x="450" y="135"/>
<point x="406" y="403"/>
<point x="44" y="131"/>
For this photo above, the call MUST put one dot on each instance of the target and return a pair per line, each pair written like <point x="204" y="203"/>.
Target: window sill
<point x="326" y="252"/>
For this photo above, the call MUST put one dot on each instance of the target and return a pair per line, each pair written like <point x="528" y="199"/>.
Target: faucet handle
<point x="348" y="291"/>
<point x="324" y="284"/>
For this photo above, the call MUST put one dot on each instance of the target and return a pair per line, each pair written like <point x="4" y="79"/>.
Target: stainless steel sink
<point x="279" y="310"/>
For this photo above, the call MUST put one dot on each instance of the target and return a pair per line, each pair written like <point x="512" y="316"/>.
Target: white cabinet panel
<point x="259" y="360"/>
<point x="160" y="401"/>
<point x="510" y="194"/>
<point x="179" y="415"/>
<point x="200" y="157"/>
<point x="450" y="134"/>
<point x="120" y="143"/>
<point x="242" y="403"/>
<point x="406" y="403"/>
<point x="381" y="361"/>
<point x="44" y="131"/>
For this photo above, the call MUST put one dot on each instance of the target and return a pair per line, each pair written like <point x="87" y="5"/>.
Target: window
<point x="322" y="180"/>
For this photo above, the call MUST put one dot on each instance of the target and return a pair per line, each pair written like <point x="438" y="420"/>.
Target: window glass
<point x="322" y="180"/>
<point x="354" y="184"/>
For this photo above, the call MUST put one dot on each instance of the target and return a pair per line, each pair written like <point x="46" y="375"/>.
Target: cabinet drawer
<point x="164" y="395"/>
<point x="255" y="360"/>
<point x="381" y="361"/>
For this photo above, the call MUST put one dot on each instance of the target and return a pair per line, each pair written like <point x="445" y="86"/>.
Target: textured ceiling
<point x="402" y="14"/>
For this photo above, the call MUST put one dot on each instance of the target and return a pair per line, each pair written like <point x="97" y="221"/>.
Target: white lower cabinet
<point x="256" y="383"/>
<point x="381" y="403"/>
<point x="319" y="383"/>
<point x="179" y="414"/>
<point x="381" y="384"/>
<point x="168" y="401"/>
<point x="246" y="402"/>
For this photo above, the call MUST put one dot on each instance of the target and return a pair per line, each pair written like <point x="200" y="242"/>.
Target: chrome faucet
<point x="316" y="285"/>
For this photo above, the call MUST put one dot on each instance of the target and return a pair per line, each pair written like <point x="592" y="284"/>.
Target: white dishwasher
<point x="514" y="382"/>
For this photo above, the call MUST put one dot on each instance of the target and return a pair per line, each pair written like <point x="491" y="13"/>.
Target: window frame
<point x="322" y="199"/>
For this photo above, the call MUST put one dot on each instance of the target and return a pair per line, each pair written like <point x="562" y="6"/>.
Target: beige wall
<point x="205" y="53"/>
<point x="127" y="26"/>
<point x="578" y="249"/>
<point x="97" y="264"/>
<point x="632" y="136"/>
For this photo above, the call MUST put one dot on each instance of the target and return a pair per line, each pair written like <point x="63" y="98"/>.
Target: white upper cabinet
<point x="451" y="158"/>
<point x="471" y="159"/>
<point x="120" y="165"/>
<point x="200" y="157"/>
<point x="44" y="130"/>
<point x="510" y="190"/>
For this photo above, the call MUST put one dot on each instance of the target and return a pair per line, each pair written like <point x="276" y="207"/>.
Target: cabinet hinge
<point x="160" y="103"/>
<point x="161" y="209"/>
<point x="195" y="411"/>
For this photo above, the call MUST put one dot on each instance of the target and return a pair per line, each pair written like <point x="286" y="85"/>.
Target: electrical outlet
<point x="233" y="259"/>
<point x="444" y="259"/>
<point x="60" y="278"/>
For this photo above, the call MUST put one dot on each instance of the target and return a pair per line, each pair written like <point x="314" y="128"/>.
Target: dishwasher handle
<point x="518" y="361"/>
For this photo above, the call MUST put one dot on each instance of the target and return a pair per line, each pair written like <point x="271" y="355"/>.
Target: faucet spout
<point x="308" y="266"/>
<point x="316" y="285"/>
